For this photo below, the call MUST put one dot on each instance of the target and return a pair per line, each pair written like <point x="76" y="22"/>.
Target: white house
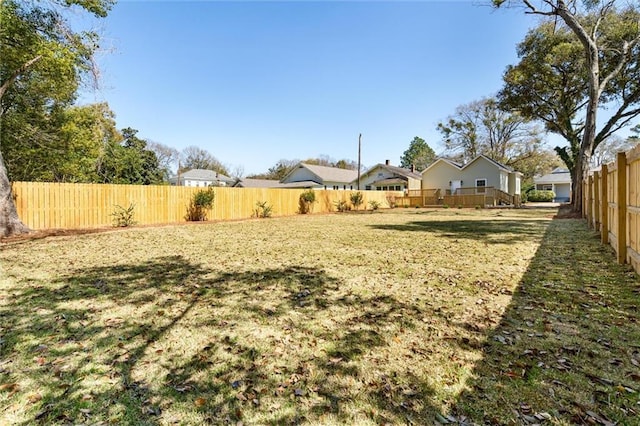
<point x="385" y="177"/>
<point x="258" y="183"/>
<point x="319" y="177"/>
<point x="558" y="181"/>
<point x="449" y="176"/>
<point x="201" y="177"/>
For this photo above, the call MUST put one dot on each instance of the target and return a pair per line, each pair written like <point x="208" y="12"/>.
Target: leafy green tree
<point x="598" y="57"/>
<point x="129" y="161"/>
<point x="43" y="62"/>
<point x="635" y="130"/>
<point x="419" y="154"/>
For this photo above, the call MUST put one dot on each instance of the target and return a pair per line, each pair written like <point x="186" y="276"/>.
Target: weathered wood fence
<point x="611" y="205"/>
<point x="46" y="205"/>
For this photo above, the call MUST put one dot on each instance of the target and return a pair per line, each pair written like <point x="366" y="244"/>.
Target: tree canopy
<point x="43" y="63"/>
<point x="482" y="127"/>
<point x="419" y="154"/>
<point x="581" y="63"/>
<point x="194" y="157"/>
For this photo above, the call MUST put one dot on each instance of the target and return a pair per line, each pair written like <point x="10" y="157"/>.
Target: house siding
<point x="299" y="175"/>
<point x="380" y="173"/>
<point x="482" y="169"/>
<point x="439" y="176"/>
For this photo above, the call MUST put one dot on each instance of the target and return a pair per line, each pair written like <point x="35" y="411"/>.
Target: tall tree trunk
<point x="10" y="223"/>
<point x="579" y="172"/>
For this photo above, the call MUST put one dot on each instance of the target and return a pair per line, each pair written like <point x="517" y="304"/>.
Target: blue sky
<point x="254" y="82"/>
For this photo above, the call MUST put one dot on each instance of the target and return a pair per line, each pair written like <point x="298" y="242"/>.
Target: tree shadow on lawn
<point x="489" y="231"/>
<point x="567" y="346"/>
<point x="98" y="339"/>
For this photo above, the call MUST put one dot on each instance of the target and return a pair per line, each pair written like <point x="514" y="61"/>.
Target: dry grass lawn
<point x="406" y="316"/>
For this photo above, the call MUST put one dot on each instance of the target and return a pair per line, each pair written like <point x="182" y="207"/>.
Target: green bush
<point x="263" y="210"/>
<point x="123" y="217"/>
<point x="540" y="196"/>
<point x="374" y="205"/>
<point x="306" y="200"/>
<point x="199" y="204"/>
<point x="356" y="199"/>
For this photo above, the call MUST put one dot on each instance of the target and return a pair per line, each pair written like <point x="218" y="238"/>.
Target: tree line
<point x="577" y="77"/>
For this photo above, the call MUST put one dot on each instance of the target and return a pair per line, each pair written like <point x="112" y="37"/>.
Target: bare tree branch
<point x="5" y="86"/>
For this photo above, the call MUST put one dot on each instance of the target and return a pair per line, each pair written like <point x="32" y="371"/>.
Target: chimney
<point x="387" y="163"/>
<point x="413" y="168"/>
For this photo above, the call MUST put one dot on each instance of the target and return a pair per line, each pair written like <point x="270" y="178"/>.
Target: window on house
<point x="336" y="187"/>
<point x="480" y="186"/>
<point x="545" y="187"/>
<point x="398" y="188"/>
<point x="367" y="188"/>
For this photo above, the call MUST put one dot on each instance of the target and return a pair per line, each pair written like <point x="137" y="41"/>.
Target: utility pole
<point x="359" y="150"/>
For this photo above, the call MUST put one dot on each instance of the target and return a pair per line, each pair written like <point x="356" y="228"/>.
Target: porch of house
<point x="469" y="197"/>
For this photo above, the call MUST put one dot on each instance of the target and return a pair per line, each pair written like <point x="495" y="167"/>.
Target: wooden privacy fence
<point x="611" y="205"/>
<point x="46" y="205"/>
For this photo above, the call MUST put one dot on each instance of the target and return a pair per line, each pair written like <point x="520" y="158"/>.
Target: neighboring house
<point x="319" y="177"/>
<point x="385" y="177"/>
<point x="481" y="172"/>
<point x="558" y="181"/>
<point x="201" y="177"/>
<point x="258" y="183"/>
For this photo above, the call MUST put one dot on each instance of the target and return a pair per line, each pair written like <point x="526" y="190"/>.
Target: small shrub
<point x="478" y="207"/>
<point x="200" y="202"/>
<point x="122" y="217"/>
<point x="391" y="201"/>
<point x="540" y="196"/>
<point x="342" y="206"/>
<point x="374" y="205"/>
<point x="306" y="200"/>
<point x="445" y="206"/>
<point x="356" y="199"/>
<point x="263" y="210"/>
<point x="460" y="206"/>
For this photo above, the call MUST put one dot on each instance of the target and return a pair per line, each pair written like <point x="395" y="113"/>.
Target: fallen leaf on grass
<point x="9" y="387"/>
<point x="34" y="398"/>
<point x="200" y="402"/>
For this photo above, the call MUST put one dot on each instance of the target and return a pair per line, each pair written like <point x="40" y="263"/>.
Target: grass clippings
<point x="398" y="317"/>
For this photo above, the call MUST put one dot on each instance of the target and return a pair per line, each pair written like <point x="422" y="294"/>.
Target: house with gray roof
<point x="558" y="181"/>
<point x="201" y="177"/>
<point x="385" y="177"/>
<point x="305" y="175"/>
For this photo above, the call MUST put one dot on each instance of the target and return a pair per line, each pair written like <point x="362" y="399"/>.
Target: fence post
<point x="621" y="191"/>
<point x="589" y="204"/>
<point x="596" y="200"/>
<point x="585" y="188"/>
<point x="604" y="205"/>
